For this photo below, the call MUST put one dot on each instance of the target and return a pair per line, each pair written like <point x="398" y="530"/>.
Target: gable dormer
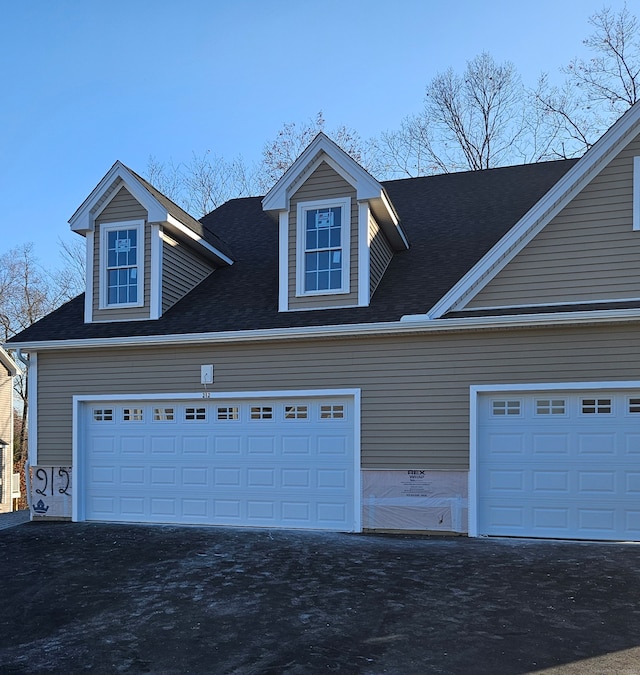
<point x="144" y="253"/>
<point x="337" y="230"/>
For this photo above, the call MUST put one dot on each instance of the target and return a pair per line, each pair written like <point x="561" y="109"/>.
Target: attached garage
<point x="290" y="460"/>
<point x="557" y="462"/>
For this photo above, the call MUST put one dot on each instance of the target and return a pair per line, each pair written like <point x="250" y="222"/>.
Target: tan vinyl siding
<point x="6" y="455"/>
<point x="324" y="183"/>
<point x="380" y="254"/>
<point x="182" y="270"/>
<point x="415" y="389"/>
<point x="121" y="208"/>
<point x="588" y="252"/>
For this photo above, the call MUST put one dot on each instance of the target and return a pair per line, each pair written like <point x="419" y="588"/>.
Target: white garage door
<point x="560" y="464"/>
<point x="268" y="462"/>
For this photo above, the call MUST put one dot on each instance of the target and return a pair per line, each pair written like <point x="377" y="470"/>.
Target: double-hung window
<point x="122" y="254"/>
<point x="323" y="247"/>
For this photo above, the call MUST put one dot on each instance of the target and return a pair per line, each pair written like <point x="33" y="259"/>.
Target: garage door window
<point x="634" y="405"/>
<point x="550" y="406"/>
<point x="596" y="406"/>
<point x="103" y="414"/>
<point x="228" y="413"/>
<point x="331" y="412"/>
<point x="261" y="412"/>
<point x="192" y="414"/>
<point x="163" y="415"/>
<point x="296" y="412"/>
<point x="132" y="415"/>
<point x="500" y="408"/>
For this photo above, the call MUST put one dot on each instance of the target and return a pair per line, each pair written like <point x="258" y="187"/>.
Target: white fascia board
<point x="32" y="416"/>
<point x="367" y="187"/>
<point x="555" y="386"/>
<point x="89" y="290"/>
<point x="393" y="228"/>
<point x="283" y="261"/>
<point x="83" y="219"/>
<point x="364" y="255"/>
<point x="220" y="395"/>
<point x="195" y="237"/>
<point x="404" y="327"/>
<point x="155" y="279"/>
<point x="575" y="180"/>
<point x="8" y="362"/>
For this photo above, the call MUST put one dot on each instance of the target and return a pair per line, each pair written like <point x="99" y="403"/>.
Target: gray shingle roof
<point x="451" y="221"/>
<point x="185" y="218"/>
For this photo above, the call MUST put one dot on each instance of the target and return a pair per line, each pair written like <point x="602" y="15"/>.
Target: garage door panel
<point x="261" y="445"/>
<point x="227" y="445"/>
<point x="550" y="444"/>
<point x="133" y="475"/>
<point x="259" y="464"/>
<point x="577" y="476"/>
<point x="551" y="482"/>
<point x="195" y="445"/>
<point x="132" y="445"/>
<point x="597" y="444"/>
<point x="103" y="445"/>
<point x="163" y="445"/>
<point x="550" y="519"/>
<point x="296" y="445"/>
<point x="632" y="444"/>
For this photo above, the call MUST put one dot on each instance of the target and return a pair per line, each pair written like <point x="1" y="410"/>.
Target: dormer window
<point x="121" y="256"/>
<point x="323" y="247"/>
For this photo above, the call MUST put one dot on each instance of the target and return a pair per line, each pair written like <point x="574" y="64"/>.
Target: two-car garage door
<point x="272" y="462"/>
<point x="561" y="464"/>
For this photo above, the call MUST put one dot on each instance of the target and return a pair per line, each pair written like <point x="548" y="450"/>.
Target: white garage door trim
<point x="80" y="403"/>
<point x="475" y="393"/>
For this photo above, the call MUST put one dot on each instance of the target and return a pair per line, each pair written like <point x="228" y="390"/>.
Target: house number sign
<point x="51" y="491"/>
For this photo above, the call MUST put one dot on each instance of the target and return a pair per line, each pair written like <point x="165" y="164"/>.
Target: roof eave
<point x="406" y="325"/>
<point x="83" y="220"/>
<point x="539" y="215"/>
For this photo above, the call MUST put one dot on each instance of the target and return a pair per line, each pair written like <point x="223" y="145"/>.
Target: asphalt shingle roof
<point x="451" y="221"/>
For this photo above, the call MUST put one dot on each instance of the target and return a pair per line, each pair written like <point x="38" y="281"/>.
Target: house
<point x="8" y="370"/>
<point x="456" y="353"/>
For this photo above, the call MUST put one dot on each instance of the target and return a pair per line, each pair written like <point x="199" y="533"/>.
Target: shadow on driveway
<point x="162" y="599"/>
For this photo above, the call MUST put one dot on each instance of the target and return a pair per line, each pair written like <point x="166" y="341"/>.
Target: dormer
<point x="144" y="253"/>
<point x="337" y="230"/>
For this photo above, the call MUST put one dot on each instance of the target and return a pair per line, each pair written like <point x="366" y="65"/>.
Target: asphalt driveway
<point x="137" y="599"/>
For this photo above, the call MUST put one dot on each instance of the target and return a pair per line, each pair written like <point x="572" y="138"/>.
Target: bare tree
<point x="405" y="152"/>
<point x="203" y="183"/>
<point x="470" y="121"/>
<point x="207" y="180"/>
<point x="610" y="79"/>
<point x="27" y="293"/>
<point x="70" y="279"/>
<point x="280" y="153"/>
<point x="476" y="114"/>
<point x="597" y="90"/>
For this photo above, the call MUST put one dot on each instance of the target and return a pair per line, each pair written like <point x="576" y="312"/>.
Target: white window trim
<point x="105" y="228"/>
<point x="345" y="244"/>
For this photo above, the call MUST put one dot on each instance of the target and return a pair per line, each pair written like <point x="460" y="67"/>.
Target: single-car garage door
<point x="561" y="464"/>
<point x="260" y="462"/>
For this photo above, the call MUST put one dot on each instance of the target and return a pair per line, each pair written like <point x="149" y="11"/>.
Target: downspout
<point x="27" y="466"/>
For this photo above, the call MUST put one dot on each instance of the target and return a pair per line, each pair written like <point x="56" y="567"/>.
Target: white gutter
<point x="413" y="324"/>
<point x="23" y="360"/>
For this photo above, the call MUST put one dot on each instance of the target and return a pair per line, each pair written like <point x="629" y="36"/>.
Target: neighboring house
<point x="455" y="353"/>
<point x="8" y="370"/>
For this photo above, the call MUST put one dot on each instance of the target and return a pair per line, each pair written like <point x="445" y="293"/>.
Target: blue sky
<point x="86" y="82"/>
